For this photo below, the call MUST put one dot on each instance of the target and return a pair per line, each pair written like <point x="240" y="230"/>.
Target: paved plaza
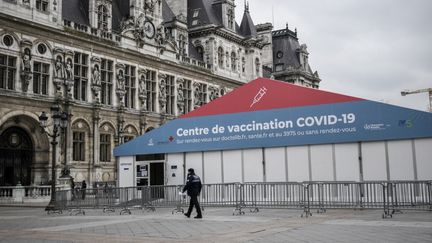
<point x="24" y="224"/>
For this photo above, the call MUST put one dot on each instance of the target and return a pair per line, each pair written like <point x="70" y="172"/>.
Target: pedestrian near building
<point x="73" y="188"/>
<point x="83" y="189"/>
<point x="193" y="188"/>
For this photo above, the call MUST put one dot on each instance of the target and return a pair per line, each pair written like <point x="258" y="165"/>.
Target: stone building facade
<point x="119" y="68"/>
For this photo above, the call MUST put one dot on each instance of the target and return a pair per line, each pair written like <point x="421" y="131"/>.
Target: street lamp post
<point x="60" y="119"/>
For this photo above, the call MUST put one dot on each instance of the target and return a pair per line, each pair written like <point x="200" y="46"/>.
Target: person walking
<point x="83" y="189"/>
<point x="193" y="188"/>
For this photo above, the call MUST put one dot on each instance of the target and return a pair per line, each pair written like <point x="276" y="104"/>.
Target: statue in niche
<point x="197" y="98"/>
<point x="26" y="71"/>
<point x="96" y="75"/>
<point x="142" y="85"/>
<point x="120" y="80"/>
<point x="59" y="71"/>
<point x="162" y="89"/>
<point x="69" y="70"/>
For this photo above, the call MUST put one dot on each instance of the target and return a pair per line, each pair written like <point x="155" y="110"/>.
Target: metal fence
<point x="389" y="196"/>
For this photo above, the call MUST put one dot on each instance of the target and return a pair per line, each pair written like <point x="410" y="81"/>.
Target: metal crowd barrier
<point x="390" y="196"/>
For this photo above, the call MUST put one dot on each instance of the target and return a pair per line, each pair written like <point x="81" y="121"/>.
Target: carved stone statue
<point x="69" y="70"/>
<point x="96" y="76"/>
<point x="26" y="69"/>
<point x="142" y="88"/>
<point x="59" y="71"/>
<point x="120" y="80"/>
<point x="149" y="5"/>
<point x="180" y="99"/>
<point x="162" y="95"/>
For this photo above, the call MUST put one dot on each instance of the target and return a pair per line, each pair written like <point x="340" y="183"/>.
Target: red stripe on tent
<point x="267" y="94"/>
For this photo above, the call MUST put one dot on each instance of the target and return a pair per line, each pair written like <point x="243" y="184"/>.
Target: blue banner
<point x="322" y="124"/>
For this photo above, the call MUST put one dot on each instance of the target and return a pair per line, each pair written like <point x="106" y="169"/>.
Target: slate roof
<point x="247" y="27"/>
<point x="76" y="11"/>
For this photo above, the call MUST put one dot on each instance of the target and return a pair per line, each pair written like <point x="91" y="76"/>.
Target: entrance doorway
<point x="16" y="157"/>
<point x="156" y="174"/>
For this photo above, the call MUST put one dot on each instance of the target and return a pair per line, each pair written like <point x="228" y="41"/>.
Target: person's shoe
<point x="187" y="215"/>
<point x="198" y="217"/>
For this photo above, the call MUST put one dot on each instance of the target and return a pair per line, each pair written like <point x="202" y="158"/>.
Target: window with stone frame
<point x="105" y="147"/>
<point x="233" y="62"/>
<point x="151" y="90"/>
<point x="127" y="138"/>
<point x="230" y="16"/>
<point x="130" y="86"/>
<point x="257" y="66"/>
<point x="102" y="17"/>
<point x="220" y="57"/>
<point x="182" y="44"/>
<point x="107" y="75"/>
<point x="243" y="65"/>
<point x="42" y="5"/>
<point x="187" y="94"/>
<point x="7" y="72"/>
<point x="78" y="146"/>
<point x="170" y="90"/>
<point x="80" y="76"/>
<point x="40" y="78"/>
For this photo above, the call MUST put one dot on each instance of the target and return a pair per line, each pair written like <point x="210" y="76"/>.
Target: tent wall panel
<point x="401" y="160"/>
<point x="253" y="167"/>
<point x="374" y="161"/>
<point x="232" y="166"/>
<point x="212" y="167"/>
<point x="423" y="155"/>
<point x="347" y="162"/>
<point x="194" y="160"/>
<point x="298" y="163"/>
<point x="126" y="171"/>
<point x="322" y="162"/>
<point x="275" y="164"/>
<point x="177" y="161"/>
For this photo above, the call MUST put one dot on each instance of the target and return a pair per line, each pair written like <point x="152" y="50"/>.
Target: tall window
<point x="220" y="57"/>
<point x="105" y="147"/>
<point x="7" y="72"/>
<point x="187" y="93"/>
<point x="80" y="76"/>
<point x="170" y="89"/>
<point x="78" y="146"/>
<point x="40" y="78"/>
<point x="233" y="62"/>
<point x="257" y="66"/>
<point x="151" y="90"/>
<point x="230" y="19"/>
<point x="182" y="45"/>
<point x="243" y="65"/>
<point x="200" y="51"/>
<point x="42" y="5"/>
<point x="106" y="81"/>
<point x="130" y="80"/>
<point x="102" y="17"/>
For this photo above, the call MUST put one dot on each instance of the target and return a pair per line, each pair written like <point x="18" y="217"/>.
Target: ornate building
<point x="120" y="68"/>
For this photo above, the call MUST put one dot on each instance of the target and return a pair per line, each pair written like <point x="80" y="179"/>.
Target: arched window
<point x="257" y="66"/>
<point x="102" y="17"/>
<point x="200" y="51"/>
<point x="220" y="57"/>
<point x="233" y="62"/>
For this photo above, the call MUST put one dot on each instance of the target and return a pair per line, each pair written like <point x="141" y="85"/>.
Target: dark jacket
<point x="193" y="185"/>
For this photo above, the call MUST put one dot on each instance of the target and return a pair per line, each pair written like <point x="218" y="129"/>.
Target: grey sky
<point x="370" y="49"/>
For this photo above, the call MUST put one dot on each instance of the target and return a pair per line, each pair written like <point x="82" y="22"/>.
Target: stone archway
<point x="16" y="157"/>
<point x="24" y="151"/>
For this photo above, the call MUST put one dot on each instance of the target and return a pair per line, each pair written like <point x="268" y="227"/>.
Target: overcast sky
<point x="370" y="49"/>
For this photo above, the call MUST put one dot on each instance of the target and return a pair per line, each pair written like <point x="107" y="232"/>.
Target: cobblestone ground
<point x="218" y="225"/>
